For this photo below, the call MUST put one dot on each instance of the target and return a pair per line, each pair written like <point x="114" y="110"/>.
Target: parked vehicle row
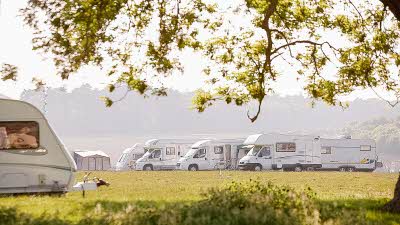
<point x="257" y="152"/>
<point x="33" y="159"/>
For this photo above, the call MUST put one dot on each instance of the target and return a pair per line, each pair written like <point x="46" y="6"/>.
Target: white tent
<point x="92" y="160"/>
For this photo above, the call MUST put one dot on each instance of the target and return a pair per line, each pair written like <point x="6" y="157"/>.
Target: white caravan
<point x="162" y="154"/>
<point x="280" y="151"/>
<point x="129" y="157"/>
<point x="348" y="154"/>
<point x="32" y="158"/>
<point x="212" y="154"/>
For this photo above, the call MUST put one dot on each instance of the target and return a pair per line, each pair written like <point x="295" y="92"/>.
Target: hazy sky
<point x="16" y="48"/>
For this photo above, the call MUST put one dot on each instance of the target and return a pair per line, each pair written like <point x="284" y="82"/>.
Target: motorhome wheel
<point x="310" y="168"/>
<point x="342" y="169"/>
<point x="298" y="169"/>
<point x="350" y="169"/>
<point x="148" y="167"/>
<point x="193" y="168"/>
<point x="257" y="167"/>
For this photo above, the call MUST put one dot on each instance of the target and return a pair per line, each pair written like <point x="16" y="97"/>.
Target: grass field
<point x="359" y="191"/>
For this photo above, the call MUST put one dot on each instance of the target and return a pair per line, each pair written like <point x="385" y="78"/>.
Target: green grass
<point x="353" y="191"/>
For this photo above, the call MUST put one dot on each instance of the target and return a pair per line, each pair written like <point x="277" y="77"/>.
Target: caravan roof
<point x="217" y="141"/>
<point x="262" y="139"/>
<point x="158" y="142"/>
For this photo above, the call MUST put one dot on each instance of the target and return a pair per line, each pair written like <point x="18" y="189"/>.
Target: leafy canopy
<point x="247" y="44"/>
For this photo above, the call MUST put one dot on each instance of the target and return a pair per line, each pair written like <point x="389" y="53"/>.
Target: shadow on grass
<point x="238" y="204"/>
<point x="369" y="210"/>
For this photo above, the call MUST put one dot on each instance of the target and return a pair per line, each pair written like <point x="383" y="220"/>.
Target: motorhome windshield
<point x="123" y="157"/>
<point x="254" y="151"/>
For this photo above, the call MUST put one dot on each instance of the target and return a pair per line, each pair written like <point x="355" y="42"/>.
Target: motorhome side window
<point x="170" y="151"/>
<point x="326" y="150"/>
<point x="19" y="135"/>
<point x="365" y="147"/>
<point x="201" y="153"/>
<point x="286" y="147"/>
<point x="218" y="149"/>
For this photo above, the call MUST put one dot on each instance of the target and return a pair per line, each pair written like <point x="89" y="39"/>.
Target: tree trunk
<point x="394" y="7"/>
<point x="394" y="205"/>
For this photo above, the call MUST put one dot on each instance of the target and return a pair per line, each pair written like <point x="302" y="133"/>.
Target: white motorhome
<point x="280" y="151"/>
<point x="32" y="158"/>
<point x="212" y="154"/>
<point x="163" y="154"/>
<point x="129" y="156"/>
<point x="346" y="154"/>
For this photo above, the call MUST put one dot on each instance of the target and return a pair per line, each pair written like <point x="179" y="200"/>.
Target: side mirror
<point x="205" y="158"/>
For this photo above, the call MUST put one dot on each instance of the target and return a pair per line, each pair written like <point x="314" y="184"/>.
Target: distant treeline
<point x="386" y="133"/>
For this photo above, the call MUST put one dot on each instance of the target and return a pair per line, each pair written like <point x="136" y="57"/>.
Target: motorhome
<point x="32" y="157"/>
<point x="281" y="151"/>
<point x="346" y="154"/>
<point x="163" y="154"/>
<point x="129" y="156"/>
<point x="212" y="154"/>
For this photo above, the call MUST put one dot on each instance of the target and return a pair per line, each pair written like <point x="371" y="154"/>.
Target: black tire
<point x="310" y="169"/>
<point x="148" y="167"/>
<point x="193" y="167"/>
<point x="257" y="167"/>
<point x="298" y="168"/>
<point x="351" y="169"/>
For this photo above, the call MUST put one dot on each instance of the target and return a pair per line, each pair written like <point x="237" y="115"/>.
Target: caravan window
<point x="326" y="150"/>
<point x="365" y="148"/>
<point x="19" y="135"/>
<point x="218" y="149"/>
<point x="286" y="147"/>
<point x="170" y="150"/>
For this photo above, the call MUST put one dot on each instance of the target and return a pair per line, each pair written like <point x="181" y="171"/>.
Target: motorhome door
<point x="202" y="158"/>
<point x="217" y="157"/>
<point x="265" y="157"/>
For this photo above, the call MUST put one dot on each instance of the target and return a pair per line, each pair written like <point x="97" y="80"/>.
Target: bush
<point x="238" y="203"/>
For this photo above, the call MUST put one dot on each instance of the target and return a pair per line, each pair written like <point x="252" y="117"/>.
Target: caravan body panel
<point x="342" y="154"/>
<point x="41" y="163"/>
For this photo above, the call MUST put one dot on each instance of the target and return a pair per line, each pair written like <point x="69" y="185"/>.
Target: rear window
<point x="19" y="135"/>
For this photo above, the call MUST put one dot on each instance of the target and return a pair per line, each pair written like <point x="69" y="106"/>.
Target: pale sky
<point x="16" y="49"/>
